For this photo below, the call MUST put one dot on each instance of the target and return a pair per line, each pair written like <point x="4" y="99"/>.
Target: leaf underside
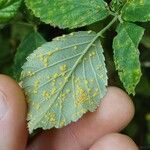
<point x="63" y="79"/>
<point x="136" y="10"/>
<point x="69" y="13"/>
<point x="8" y="9"/>
<point x="126" y="54"/>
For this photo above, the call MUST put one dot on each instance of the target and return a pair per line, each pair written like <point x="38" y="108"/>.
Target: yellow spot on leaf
<point x="46" y="94"/>
<point x="63" y="68"/>
<point x="82" y="96"/>
<point x="71" y="34"/>
<point x="75" y="47"/>
<point x="89" y="31"/>
<point x="55" y="75"/>
<point x="49" y="53"/>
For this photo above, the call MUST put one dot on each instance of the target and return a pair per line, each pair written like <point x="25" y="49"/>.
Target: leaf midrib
<point x="70" y="74"/>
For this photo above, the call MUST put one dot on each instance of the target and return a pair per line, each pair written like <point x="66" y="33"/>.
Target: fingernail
<point x="3" y="105"/>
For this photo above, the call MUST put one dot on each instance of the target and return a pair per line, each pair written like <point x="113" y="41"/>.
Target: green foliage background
<point x="24" y="24"/>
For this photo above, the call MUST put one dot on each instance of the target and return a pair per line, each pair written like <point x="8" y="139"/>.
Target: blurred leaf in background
<point x="32" y="41"/>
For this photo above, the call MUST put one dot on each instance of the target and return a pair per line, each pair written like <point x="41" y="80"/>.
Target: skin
<point x="94" y="131"/>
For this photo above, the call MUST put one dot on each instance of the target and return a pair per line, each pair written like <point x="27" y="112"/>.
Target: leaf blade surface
<point x="63" y="79"/>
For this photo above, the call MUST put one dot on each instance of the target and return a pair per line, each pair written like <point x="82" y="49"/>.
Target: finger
<point x="114" y="113"/>
<point x="13" y="133"/>
<point x="114" y="141"/>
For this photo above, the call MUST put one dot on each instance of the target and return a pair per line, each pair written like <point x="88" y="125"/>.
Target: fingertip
<point x="114" y="113"/>
<point x="114" y="141"/>
<point x="13" y="122"/>
<point x="119" y="106"/>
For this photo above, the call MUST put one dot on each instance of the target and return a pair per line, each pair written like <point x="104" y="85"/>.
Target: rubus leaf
<point x="8" y="9"/>
<point x="116" y="5"/>
<point x="69" y="13"/>
<point x="136" y="10"/>
<point x="126" y="54"/>
<point x="5" y="51"/>
<point x="32" y="41"/>
<point x="63" y="79"/>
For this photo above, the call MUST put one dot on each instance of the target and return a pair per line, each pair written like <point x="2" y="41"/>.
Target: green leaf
<point x="116" y="5"/>
<point x="8" y="9"/>
<point x="6" y="53"/>
<point x="126" y="54"/>
<point x="136" y="10"/>
<point x="69" y="13"/>
<point x="63" y="79"/>
<point x="32" y="41"/>
<point x="20" y="30"/>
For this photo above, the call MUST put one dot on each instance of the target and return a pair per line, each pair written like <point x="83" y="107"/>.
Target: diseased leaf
<point x="63" y="79"/>
<point x="126" y="54"/>
<point x="8" y="9"/>
<point x="136" y="10"/>
<point x="32" y="41"/>
<point x="69" y="13"/>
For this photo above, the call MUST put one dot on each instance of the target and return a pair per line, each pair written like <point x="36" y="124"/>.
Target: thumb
<point x="13" y="132"/>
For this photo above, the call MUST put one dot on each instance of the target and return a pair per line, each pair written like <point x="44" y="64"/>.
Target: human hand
<point x="94" y="131"/>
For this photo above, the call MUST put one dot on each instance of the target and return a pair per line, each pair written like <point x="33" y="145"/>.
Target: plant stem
<point x="108" y="26"/>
